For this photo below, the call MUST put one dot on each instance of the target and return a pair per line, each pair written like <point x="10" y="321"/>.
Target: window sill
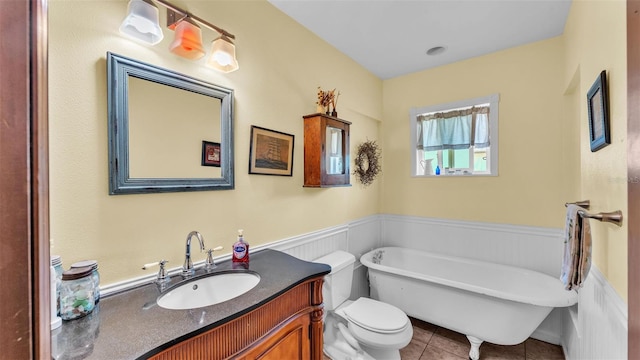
<point x="453" y="175"/>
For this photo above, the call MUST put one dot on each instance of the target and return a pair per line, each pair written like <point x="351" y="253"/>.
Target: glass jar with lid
<point x="77" y="293"/>
<point x="95" y="275"/>
<point x="56" y="262"/>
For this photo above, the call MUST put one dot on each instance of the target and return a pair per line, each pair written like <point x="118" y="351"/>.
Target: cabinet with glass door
<point x="326" y="151"/>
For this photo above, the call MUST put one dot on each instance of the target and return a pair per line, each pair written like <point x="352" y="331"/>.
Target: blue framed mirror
<point x="161" y="125"/>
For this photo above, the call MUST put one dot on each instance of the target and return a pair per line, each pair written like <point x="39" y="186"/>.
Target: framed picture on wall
<point x="210" y="153"/>
<point x="271" y="152"/>
<point x="598" y="111"/>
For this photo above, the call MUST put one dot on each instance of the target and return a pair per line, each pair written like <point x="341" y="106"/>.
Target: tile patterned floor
<point x="431" y="342"/>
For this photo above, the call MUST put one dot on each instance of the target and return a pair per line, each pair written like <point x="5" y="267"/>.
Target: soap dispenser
<point x="240" y="250"/>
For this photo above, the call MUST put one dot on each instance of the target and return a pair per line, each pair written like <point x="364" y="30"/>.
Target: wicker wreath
<point x="367" y="162"/>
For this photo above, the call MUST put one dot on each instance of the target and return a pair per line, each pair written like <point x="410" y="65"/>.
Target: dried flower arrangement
<point x="368" y="162"/>
<point x="327" y="101"/>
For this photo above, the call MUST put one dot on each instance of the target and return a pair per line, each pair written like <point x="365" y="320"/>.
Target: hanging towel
<point x="571" y="236"/>
<point x="585" y="251"/>
<point x="576" y="261"/>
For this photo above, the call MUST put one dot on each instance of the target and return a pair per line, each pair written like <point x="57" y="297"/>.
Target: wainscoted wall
<point x="596" y="328"/>
<point x="528" y="247"/>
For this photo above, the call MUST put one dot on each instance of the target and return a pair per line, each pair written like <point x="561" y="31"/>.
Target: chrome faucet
<point x="187" y="268"/>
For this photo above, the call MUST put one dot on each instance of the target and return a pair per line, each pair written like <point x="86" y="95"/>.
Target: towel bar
<point x="614" y="217"/>
<point x="583" y="203"/>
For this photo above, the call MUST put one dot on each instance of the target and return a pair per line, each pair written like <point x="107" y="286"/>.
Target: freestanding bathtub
<point x="489" y="302"/>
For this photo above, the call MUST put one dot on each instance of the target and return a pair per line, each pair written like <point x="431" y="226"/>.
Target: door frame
<point x="24" y="197"/>
<point x="633" y="175"/>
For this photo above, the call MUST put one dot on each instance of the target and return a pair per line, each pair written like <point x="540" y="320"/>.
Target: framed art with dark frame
<point x="598" y="110"/>
<point x="210" y="153"/>
<point x="271" y="152"/>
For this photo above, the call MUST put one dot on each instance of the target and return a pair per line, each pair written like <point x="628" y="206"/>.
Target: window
<point x="458" y="138"/>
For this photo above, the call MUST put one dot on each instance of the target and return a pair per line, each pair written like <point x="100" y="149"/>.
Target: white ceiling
<point x="391" y="37"/>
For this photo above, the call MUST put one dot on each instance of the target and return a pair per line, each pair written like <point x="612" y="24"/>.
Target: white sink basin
<point x="209" y="290"/>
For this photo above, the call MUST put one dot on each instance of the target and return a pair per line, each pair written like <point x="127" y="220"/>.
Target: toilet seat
<point x="376" y="316"/>
<point x="376" y="324"/>
<point x="378" y="340"/>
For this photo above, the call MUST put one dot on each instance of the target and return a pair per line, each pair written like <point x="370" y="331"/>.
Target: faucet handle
<point x="209" y="264"/>
<point x="162" y="273"/>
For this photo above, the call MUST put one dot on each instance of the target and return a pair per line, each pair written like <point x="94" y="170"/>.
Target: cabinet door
<point x="290" y="342"/>
<point x="335" y="151"/>
<point x="326" y="151"/>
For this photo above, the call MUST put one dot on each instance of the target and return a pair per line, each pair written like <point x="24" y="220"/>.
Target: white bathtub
<point x="485" y="301"/>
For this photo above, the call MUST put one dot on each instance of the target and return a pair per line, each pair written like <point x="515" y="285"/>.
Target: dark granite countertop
<point x="130" y="325"/>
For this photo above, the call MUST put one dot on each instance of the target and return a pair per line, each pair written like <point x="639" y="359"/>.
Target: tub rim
<point x="561" y="298"/>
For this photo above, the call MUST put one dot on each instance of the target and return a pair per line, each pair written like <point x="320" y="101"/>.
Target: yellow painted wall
<point x="529" y="188"/>
<point x="281" y="66"/>
<point x="595" y="40"/>
<point x="544" y="153"/>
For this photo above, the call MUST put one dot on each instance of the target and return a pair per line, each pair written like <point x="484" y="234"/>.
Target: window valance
<point x="453" y="130"/>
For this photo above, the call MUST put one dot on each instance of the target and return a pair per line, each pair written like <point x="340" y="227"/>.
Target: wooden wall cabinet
<point x="287" y="327"/>
<point x="326" y="151"/>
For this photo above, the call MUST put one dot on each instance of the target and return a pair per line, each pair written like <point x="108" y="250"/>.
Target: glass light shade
<point x="188" y="41"/>
<point x="223" y="55"/>
<point x="142" y="23"/>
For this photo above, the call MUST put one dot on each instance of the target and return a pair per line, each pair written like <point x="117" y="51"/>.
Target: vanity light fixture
<point x="223" y="55"/>
<point x="188" y="38"/>
<point x="142" y="22"/>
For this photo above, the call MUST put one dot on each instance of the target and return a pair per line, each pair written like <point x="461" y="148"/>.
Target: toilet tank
<point x="337" y="284"/>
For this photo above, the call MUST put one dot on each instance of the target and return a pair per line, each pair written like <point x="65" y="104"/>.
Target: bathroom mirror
<point x="168" y="132"/>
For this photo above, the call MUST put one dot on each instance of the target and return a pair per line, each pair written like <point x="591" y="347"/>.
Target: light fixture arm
<point x="186" y="14"/>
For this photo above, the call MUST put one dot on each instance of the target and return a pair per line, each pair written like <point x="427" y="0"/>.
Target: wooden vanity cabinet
<point x="289" y="342"/>
<point x="287" y="327"/>
<point x="326" y="151"/>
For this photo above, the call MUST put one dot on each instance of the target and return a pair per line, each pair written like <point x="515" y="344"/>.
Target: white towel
<point x="576" y="261"/>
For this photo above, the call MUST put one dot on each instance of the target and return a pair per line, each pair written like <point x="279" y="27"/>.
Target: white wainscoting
<point x="313" y="245"/>
<point x="596" y="328"/>
<point x="527" y="247"/>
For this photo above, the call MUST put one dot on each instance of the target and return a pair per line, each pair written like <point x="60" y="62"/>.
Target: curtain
<point x="481" y="136"/>
<point x="454" y="130"/>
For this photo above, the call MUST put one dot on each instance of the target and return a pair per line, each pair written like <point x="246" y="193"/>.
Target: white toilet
<point x="360" y="329"/>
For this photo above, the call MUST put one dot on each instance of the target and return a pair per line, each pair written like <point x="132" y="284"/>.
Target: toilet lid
<point x="376" y="316"/>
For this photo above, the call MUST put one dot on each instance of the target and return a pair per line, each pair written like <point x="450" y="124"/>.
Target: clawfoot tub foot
<point x="474" y="353"/>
